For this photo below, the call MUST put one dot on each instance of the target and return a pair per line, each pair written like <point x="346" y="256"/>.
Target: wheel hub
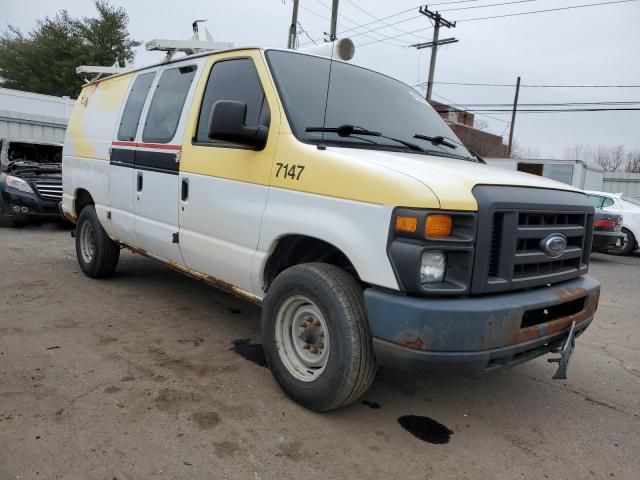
<point x="302" y="338"/>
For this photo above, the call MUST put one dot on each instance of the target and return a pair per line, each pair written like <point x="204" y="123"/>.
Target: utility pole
<point x="334" y="20"/>
<point x="438" y="21"/>
<point x="293" y="29"/>
<point x="513" y="116"/>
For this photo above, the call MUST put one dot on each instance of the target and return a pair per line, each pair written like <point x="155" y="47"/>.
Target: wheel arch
<point x="636" y="234"/>
<point x="295" y="249"/>
<point x="82" y="198"/>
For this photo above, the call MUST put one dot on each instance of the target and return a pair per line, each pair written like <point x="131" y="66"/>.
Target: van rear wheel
<point x="97" y="254"/>
<point x="316" y="336"/>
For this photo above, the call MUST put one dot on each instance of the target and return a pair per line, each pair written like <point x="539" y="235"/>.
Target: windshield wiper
<point x="437" y="140"/>
<point x="353" y="130"/>
<point x="440" y="140"/>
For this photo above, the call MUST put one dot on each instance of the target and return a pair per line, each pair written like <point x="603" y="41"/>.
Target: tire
<point x="97" y="254"/>
<point x="629" y="246"/>
<point x="324" y="303"/>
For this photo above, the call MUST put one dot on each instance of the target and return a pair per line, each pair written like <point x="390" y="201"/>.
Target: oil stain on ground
<point x="426" y="429"/>
<point x="250" y="351"/>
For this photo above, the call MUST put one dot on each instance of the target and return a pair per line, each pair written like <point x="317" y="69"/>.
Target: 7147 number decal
<point x="289" y="171"/>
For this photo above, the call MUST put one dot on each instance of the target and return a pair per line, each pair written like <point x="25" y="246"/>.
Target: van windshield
<point x="378" y="111"/>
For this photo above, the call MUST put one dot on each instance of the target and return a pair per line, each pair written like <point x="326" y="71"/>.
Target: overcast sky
<point x="595" y="46"/>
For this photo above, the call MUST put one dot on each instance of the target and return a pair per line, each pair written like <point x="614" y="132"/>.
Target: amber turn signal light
<point x="406" y="224"/>
<point x="438" y="226"/>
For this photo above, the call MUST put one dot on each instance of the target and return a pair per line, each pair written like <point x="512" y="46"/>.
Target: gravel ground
<point x="151" y="374"/>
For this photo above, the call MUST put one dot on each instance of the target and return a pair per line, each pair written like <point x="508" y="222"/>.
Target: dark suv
<point x="30" y="181"/>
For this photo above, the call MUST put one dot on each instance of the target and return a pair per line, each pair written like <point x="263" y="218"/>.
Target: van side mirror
<point x="227" y="122"/>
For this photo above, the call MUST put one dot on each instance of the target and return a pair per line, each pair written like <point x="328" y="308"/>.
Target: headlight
<point x="433" y="267"/>
<point x="18" y="184"/>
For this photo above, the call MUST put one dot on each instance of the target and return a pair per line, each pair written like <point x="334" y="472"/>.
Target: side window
<point x="233" y="80"/>
<point x="167" y="103"/>
<point x="596" y="200"/>
<point x="607" y="202"/>
<point x="133" y="108"/>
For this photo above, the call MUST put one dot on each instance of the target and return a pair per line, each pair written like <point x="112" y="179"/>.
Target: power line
<point x="394" y="36"/>
<point x="558" y="110"/>
<point x="572" y="7"/>
<point x="378" y="20"/>
<point x="488" y="5"/>
<point x="451" y="102"/>
<point x="567" y="104"/>
<point x="509" y="14"/>
<point x="466" y="84"/>
<point x="344" y="17"/>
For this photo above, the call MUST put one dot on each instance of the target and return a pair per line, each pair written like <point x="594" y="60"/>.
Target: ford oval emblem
<point x="554" y="245"/>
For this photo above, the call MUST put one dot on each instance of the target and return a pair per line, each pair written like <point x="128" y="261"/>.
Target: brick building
<point x="461" y="122"/>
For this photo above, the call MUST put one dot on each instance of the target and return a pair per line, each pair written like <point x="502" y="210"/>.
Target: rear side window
<point x="607" y="202"/>
<point x="596" y="201"/>
<point x="233" y="80"/>
<point x="132" y="110"/>
<point x="167" y="103"/>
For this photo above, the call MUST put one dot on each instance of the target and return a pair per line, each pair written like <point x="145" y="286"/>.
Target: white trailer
<point x="577" y="173"/>
<point x="32" y="116"/>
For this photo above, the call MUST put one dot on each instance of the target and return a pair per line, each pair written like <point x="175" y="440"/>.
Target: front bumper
<point x="603" y="241"/>
<point x="476" y="334"/>
<point x="36" y="206"/>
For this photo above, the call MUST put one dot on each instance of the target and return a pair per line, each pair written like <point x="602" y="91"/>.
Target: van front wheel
<point x="97" y="254"/>
<point x="316" y="336"/>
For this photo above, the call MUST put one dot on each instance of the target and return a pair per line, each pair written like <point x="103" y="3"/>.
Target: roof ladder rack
<point x="189" y="47"/>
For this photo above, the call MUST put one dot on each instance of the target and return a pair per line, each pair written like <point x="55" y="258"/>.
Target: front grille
<point x="529" y="260"/>
<point x="514" y="222"/>
<point x="49" y="190"/>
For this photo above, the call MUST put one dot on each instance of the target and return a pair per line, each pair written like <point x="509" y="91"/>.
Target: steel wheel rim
<point x="302" y="338"/>
<point x="87" y="242"/>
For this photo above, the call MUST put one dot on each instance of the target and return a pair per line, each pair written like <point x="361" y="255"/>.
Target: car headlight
<point x="433" y="267"/>
<point x="18" y="184"/>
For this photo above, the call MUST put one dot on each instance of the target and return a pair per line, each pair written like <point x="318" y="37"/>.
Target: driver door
<point x="224" y="185"/>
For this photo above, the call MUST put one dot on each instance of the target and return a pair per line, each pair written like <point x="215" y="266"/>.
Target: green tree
<point x="45" y="59"/>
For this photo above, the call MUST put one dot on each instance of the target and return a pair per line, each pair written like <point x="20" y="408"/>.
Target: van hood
<point x="452" y="180"/>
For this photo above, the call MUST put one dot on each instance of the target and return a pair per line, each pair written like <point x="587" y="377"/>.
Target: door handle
<point x="139" y="182"/>
<point x="185" y="189"/>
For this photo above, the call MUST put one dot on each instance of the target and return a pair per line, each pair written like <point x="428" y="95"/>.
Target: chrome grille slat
<point x="49" y="190"/>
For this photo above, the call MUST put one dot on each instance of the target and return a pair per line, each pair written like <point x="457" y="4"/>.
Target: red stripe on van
<point x="159" y="146"/>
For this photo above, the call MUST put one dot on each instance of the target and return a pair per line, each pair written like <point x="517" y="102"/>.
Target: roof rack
<point x="189" y="47"/>
<point x="171" y="47"/>
<point x="99" y="71"/>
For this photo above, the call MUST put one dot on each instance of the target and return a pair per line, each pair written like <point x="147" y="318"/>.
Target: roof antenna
<point x="196" y="36"/>
<point x="189" y="47"/>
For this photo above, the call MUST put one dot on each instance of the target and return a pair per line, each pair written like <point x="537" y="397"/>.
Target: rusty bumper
<point x="475" y="334"/>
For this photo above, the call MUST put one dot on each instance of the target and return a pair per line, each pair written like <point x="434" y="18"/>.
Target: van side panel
<point x="85" y="162"/>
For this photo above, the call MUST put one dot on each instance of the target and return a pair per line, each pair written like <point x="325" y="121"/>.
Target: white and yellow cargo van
<point x="338" y="199"/>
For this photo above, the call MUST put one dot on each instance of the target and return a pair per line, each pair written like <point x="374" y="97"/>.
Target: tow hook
<point x="565" y="354"/>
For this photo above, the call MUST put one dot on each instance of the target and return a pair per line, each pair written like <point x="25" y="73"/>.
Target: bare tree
<point x="480" y="124"/>
<point x="609" y="159"/>
<point x="633" y="162"/>
<point x="617" y="157"/>
<point x="574" y="152"/>
<point x="519" y="152"/>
